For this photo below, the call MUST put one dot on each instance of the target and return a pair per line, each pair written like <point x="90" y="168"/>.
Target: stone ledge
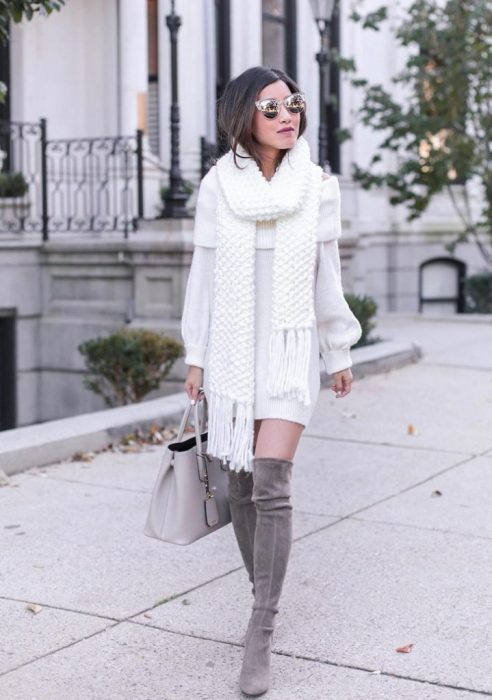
<point x="46" y="443"/>
<point x="435" y="318"/>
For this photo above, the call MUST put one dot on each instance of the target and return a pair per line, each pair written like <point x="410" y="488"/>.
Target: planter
<point x="12" y="210"/>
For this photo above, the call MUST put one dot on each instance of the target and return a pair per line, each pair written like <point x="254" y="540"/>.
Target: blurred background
<point x="108" y="124"/>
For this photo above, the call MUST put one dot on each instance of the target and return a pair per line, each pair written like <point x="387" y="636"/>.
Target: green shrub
<point x="13" y="185"/>
<point x="188" y="188"/>
<point x="478" y="293"/>
<point x="128" y="364"/>
<point x="363" y="308"/>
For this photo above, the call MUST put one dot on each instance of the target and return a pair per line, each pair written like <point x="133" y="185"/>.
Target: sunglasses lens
<point x="295" y="103"/>
<point x="269" y="108"/>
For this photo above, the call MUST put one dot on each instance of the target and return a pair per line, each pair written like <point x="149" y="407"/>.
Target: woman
<point x="264" y="297"/>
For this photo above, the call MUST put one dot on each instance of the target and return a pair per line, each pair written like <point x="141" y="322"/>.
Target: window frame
<point x="289" y="23"/>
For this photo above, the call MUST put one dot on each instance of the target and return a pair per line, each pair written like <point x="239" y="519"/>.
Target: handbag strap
<point x="202" y="458"/>
<point x="184" y="421"/>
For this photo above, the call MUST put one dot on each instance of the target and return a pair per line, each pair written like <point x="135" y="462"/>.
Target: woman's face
<point x="282" y="131"/>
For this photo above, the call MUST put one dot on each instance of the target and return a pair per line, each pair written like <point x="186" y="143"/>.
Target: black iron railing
<point x="209" y="153"/>
<point x="74" y="185"/>
<point x="22" y="146"/>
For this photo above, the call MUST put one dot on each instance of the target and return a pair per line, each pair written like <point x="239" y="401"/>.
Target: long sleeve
<point x="195" y="320"/>
<point x="338" y="328"/>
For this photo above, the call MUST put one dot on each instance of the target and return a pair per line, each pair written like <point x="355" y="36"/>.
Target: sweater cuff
<point x="336" y="360"/>
<point x="195" y="355"/>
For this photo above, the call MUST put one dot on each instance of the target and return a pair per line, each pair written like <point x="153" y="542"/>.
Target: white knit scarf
<point x="292" y="198"/>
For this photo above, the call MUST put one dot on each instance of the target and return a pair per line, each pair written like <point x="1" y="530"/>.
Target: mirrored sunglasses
<point x="270" y="107"/>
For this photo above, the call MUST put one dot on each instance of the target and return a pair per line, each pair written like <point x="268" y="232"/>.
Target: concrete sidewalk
<point x="393" y="547"/>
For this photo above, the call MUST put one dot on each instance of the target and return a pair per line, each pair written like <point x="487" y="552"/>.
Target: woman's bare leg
<point x="257" y="430"/>
<point x="278" y="438"/>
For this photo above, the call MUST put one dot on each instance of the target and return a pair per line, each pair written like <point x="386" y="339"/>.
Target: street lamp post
<point x="176" y="196"/>
<point x="322" y="12"/>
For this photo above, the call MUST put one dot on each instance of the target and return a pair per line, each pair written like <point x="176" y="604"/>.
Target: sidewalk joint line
<point x="313" y="659"/>
<point x="55" y="651"/>
<point x="382" y="673"/>
<point x="469" y="535"/>
<point x="62" y="608"/>
<point x="349" y="516"/>
<point x="84" y="483"/>
<point x="328" y="438"/>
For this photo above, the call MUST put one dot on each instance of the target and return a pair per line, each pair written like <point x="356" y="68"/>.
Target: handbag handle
<point x="201" y="457"/>
<point x="198" y="429"/>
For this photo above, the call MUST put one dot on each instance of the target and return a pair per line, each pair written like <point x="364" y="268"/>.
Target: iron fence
<point x="73" y="185"/>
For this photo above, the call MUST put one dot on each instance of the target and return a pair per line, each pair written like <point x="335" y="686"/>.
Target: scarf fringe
<point x="288" y="372"/>
<point x="230" y="439"/>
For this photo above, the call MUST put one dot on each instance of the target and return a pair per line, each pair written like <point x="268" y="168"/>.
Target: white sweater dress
<point x="336" y="327"/>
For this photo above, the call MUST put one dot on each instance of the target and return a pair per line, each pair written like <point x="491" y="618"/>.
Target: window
<point x="333" y="111"/>
<point x="223" y="44"/>
<point x="279" y="35"/>
<point x="441" y="282"/>
<point x="8" y="379"/>
<point x="5" y="78"/>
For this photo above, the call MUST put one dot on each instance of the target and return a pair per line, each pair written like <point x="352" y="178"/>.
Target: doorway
<point x="8" y="380"/>
<point x="441" y="286"/>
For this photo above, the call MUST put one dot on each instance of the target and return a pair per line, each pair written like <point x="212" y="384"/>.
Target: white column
<point x="246" y="18"/>
<point x="307" y="71"/>
<point x="211" y="69"/>
<point x="133" y="69"/>
<point x="64" y="68"/>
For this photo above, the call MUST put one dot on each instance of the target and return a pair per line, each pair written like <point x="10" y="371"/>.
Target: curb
<point x="53" y="441"/>
<point x="378" y="358"/>
<point x="46" y="443"/>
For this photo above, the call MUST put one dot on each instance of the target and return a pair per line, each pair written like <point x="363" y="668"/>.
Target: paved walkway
<point x="393" y="547"/>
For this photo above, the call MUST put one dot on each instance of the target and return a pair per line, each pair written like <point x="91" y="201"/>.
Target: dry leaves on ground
<point x="34" y="608"/>
<point x="83" y="457"/>
<point x="131" y="443"/>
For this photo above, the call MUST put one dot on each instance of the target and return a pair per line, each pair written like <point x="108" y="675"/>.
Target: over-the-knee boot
<point x="243" y="516"/>
<point x="273" y="538"/>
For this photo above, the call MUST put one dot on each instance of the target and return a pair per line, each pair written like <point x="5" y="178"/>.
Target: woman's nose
<point x="284" y="113"/>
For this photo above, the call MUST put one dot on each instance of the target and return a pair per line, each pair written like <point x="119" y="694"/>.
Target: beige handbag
<point x="190" y="496"/>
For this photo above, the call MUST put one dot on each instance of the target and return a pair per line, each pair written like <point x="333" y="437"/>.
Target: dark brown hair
<point x="237" y="108"/>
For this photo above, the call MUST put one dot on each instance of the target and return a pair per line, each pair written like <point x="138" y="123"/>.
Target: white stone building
<point x="101" y="68"/>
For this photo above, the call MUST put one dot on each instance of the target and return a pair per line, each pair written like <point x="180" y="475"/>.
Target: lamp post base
<point x="175" y="207"/>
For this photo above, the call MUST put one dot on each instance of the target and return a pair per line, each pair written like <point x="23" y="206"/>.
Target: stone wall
<point x="74" y="288"/>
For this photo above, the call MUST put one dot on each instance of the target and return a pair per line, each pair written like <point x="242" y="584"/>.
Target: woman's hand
<point x="193" y="382"/>
<point x="343" y="383"/>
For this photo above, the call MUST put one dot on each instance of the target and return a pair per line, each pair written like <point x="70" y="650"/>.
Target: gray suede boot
<point x="243" y="516"/>
<point x="273" y="538"/>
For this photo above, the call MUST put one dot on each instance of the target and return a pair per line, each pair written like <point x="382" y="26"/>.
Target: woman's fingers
<point x="193" y="384"/>
<point x="346" y="385"/>
<point x="342" y="384"/>
<point x="197" y="394"/>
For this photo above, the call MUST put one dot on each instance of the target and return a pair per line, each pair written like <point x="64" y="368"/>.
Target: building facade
<point x="99" y="71"/>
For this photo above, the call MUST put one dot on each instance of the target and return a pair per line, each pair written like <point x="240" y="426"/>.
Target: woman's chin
<point x="284" y="140"/>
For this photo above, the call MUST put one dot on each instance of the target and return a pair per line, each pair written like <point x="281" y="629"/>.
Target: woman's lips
<point x="286" y="131"/>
